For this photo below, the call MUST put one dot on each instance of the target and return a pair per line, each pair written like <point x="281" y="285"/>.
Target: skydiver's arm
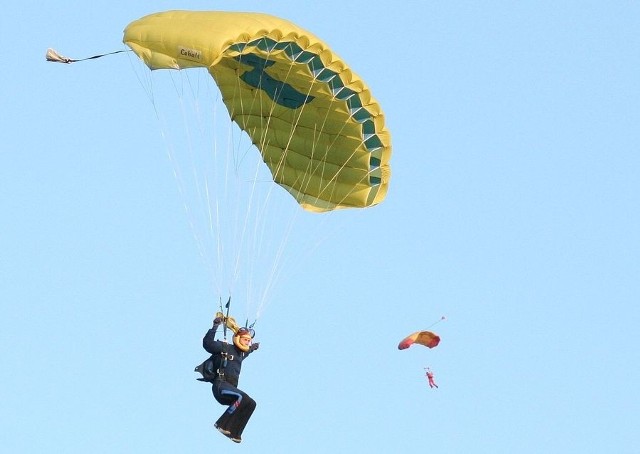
<point x="209" y="342"/>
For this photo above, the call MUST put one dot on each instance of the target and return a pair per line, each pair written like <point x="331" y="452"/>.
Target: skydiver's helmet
<point x="241" y="334"/>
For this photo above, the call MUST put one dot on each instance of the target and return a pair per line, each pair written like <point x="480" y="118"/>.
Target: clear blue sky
<point x="514" y="210"/>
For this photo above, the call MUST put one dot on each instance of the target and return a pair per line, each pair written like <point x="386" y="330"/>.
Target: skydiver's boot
<point x="224" y="432"/>
<point x="222" y="423"/>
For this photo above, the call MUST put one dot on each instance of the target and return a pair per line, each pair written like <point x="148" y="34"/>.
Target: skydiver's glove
<point x="254" y="346"/>
<point x="217" y="321"/>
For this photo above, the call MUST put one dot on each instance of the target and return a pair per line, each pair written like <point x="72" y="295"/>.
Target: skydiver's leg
<point x="241" y="416"/>
<point x="241" y="407"/>
<point x="223" y="396"/>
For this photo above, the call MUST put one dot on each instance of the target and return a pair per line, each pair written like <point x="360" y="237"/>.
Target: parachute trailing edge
<point x="315" y="122"/>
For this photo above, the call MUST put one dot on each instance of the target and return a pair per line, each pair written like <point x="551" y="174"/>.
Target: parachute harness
<point x="228" y="322"/>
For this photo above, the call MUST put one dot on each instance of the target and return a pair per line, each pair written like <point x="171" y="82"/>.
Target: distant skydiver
<point x="430" y="377"/>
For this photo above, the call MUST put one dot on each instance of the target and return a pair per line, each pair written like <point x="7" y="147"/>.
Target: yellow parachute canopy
<point x="315" y="122"/>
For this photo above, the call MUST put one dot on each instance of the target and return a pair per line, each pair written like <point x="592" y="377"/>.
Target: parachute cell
<point x="315" y="122"/>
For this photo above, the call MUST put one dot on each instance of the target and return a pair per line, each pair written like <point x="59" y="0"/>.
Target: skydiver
<point x="430" y="377"/>
<point x="224" y="373"/>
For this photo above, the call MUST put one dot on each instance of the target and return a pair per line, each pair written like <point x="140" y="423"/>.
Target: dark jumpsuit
<point x="225" y="386"/>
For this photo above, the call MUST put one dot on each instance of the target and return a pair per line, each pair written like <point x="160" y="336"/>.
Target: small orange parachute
<point x="426" y="338"/>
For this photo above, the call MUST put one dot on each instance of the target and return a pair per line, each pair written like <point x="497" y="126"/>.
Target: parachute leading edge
<point x="315" y="122"/>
